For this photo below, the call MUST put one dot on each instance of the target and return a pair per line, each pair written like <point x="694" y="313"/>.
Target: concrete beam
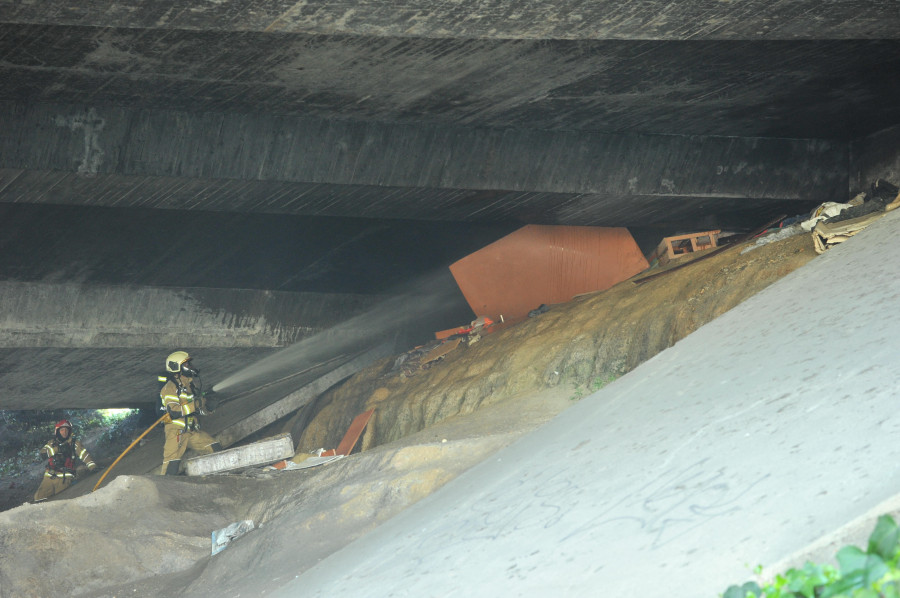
<point x="333" y="267"/>
<point x="770" y="88"/>
<point x="104" y="377"/>
<point x="100" y="316"/>
<point x="94" y="346"/>
<point x="875" y="157"/>
<point x="84" y="346"/>
<point x="19" y="186"/>
<point x="170" y="159"/>
<point x="536" y="19"/>
<point x="91" y="141"/>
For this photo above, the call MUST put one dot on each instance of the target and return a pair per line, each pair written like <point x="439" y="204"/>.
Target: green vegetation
<point x="596" y="384"/>
<point x="23" y="433"/>
<point x="873" y="573"/>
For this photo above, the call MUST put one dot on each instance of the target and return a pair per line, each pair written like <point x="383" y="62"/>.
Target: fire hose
<point x="166" y="415"/>
<point x="130" y="446"/>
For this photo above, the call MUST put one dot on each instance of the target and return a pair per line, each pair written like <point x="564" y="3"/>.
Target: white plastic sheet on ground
<point x="221" y="538"/>
<point x="306" y="463"/>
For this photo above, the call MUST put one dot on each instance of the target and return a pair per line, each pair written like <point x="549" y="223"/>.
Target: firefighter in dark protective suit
<point x="182" y="400"/>
<point x="62" y="451"/>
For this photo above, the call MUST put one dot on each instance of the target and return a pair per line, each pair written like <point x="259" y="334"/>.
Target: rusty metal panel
<point x="540" y="264"/>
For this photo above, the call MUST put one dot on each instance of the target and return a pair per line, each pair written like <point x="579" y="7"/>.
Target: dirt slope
<point x="578" y="346"/>
<point x="150" y="535"/>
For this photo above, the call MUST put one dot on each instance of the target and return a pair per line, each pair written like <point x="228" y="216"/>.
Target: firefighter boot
<point x="216" y="447"/>
<point x="172" y="467"/>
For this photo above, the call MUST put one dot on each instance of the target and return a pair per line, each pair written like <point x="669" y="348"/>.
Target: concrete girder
<point x="90" y="345"/>
<point x="282" y="164"/>
<point x="95" y="346"/>
<point x="326" y="260"/>
<point x="103" y="377"/>
<point x="875" y="157"/>
<point x="535" y="19"/>
<point x="662" y="211"/>
<point x="75" y="315"/>
<point x="770" y="88"/>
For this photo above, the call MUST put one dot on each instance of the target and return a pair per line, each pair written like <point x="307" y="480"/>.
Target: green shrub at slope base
<point x="23" y="433"/>
<point x="872" y="573"/>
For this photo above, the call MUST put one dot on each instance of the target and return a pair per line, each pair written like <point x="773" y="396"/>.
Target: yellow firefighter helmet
<point x="176" y="360"/>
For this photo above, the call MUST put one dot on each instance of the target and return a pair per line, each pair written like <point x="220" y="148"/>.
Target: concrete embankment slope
<point x="765" y="435"/>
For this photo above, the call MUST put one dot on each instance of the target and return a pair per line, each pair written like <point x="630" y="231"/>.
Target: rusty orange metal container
<point x="540" y="264"/>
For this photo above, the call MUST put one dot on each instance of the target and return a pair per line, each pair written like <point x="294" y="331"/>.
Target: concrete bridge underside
<point x="235" y="177"/>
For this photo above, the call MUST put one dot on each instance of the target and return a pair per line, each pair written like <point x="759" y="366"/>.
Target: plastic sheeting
<point x="540" y="264"/>
<point x="222" y="537"/>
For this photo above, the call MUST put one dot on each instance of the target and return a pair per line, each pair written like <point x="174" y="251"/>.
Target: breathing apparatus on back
<point x="179" y="366"/>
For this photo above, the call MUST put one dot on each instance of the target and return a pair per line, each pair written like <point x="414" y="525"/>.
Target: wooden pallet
<point x="680" y="245"/>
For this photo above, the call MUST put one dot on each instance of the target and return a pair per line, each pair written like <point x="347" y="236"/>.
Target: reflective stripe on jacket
<point x="176" y="400"/>
<point x="71" y="449"/>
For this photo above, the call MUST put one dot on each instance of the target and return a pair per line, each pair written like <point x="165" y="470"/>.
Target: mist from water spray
<point x="428" y="296"/>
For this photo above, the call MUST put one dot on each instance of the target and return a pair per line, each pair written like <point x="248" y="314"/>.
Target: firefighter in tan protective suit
<point x="62" y="452"/>
<point x="182" y="400"/>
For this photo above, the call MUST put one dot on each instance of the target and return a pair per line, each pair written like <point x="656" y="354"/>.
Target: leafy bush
<point x="596" y="384"/>
<point x="23" y="433"/>
<point x="19" y="462"/>
<point x="117" y="429"/>
<point x="870" y="574"/>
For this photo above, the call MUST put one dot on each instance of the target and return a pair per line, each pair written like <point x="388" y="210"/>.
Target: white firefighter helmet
<point x="176" y="360"/>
